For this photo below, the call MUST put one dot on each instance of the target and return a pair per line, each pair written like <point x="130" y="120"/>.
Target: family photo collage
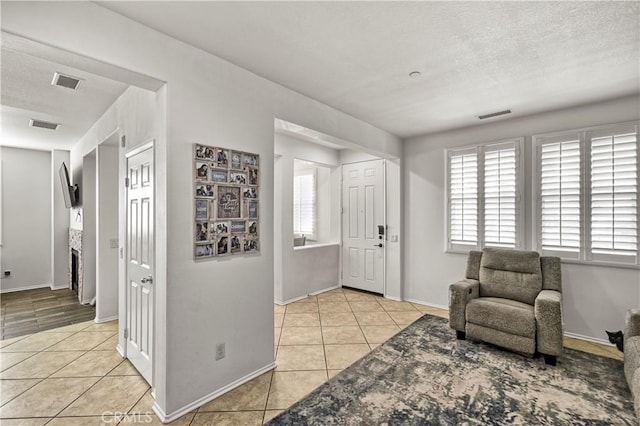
<point x="226" y="202"/>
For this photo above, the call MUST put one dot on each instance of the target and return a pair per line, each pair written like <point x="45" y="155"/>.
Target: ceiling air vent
<point x="43" y="124"/>
<point x="67" y="81"/>
<point x="495" y="114"/>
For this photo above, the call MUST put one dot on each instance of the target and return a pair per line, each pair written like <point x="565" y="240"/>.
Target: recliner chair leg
<point x="550" y="359"/>
<point x="460" y="335"/>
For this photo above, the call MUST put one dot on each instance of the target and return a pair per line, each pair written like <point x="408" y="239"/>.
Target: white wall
<point x="90" y="226"/>
<point x="59" y="225"/>
<point x="595" y="298"/>
<point x="107" y="227"/>
<point x="138" y="115"/>
<point x="26" y="219"/>
<point x="394" y="208"/>
<point x="209" y="101"/>
<point x="298" y="273"/>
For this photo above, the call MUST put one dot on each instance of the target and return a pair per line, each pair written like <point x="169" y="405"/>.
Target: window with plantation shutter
<point x="559" y="194"/>
<point x="484" y="202"/>
<point x="500" y="195"/>
<point x="587" y="194"/>
<point x="304" y="203"/>
<point x="614" y="194"/>
<point x="463" y="198"/>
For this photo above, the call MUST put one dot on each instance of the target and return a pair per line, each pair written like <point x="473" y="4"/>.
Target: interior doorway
<point x="140" y="257"/>
<point x="364" y="225"/>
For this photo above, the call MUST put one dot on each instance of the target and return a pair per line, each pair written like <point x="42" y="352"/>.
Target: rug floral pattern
<point x="424" y="376"/>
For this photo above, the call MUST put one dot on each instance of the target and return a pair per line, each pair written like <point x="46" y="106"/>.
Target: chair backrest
<point x="510" y="274"/>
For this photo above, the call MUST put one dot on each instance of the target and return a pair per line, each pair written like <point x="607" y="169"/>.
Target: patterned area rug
<point x="424" y="376"/>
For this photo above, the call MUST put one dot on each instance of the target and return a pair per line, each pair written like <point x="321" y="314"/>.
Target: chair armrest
<point x="632" y="324"/>
<point x="548" y="313"/>
<point x="459" y="295"/>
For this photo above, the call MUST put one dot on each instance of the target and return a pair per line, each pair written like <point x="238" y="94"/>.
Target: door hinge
<point x="126" y="333"/>
<point x="126" y="182"/>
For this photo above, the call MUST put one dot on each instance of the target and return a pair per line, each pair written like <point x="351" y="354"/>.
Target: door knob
<point x="148" y="279"/>
<point x="378" y="245"/>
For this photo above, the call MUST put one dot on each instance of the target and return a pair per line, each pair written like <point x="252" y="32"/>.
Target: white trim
<point x="432" y="305"/>
<point x="167" y="418"/>
<point x="324" y="290"/>
<point x="28" y="287"/>
<point x="310" y="246"/>
<point x="397" y="299"/>
<point x="60" y="287"/>
<point x="286" y="302"/>
<point x="120" y="350"/>
<point x="101" y="320"/>
<point x="295" y="299"/>
<point x="584" y="256"/>
<point x="480" y="149"/>
<point x="588" y="339"/>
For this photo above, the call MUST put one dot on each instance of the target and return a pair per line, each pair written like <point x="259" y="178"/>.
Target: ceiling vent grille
<point x="67" y="81"/>
<point x="43" y="124"/>
<point x="495" y="114"/>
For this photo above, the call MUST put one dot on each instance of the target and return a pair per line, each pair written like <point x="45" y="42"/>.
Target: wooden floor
<point x="30" y="311"/>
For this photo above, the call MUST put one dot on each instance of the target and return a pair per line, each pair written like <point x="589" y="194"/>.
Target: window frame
<point x="585" y="255"/>
<point x="480" y="149"/>
<point x="311" y="171"/>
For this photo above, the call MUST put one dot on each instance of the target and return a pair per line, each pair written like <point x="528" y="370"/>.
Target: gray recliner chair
<point x="512" y="299"/>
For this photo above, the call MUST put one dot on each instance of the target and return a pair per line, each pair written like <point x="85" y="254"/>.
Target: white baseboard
<point x="28" y="287"/>
<point x="60" y="287"/>
<point x="433" y="305"/>
<point x="324" y="290"/>
<point x="589" y="339"/>
<point x="166" y="418"/>
<point x="120" y="350"/>
<point x="397" y="299"/>
<point x="101" y="320"/>
<point x="286" y="302"/>
<point x="295" y="299"/>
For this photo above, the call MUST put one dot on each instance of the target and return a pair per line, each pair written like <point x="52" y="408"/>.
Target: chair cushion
<point x="510" y="274"/>
<point x="505" y="315"/>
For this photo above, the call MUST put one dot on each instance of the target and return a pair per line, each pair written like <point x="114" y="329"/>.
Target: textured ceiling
<point x="475" y="57"/>
<point x="26" y="93"/>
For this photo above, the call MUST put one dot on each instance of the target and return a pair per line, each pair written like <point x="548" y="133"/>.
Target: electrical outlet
<point x="113" y="243"/>
<point x="7" y="273"/>
<point x="220" y="351"/>
<point x="394" y="239"/>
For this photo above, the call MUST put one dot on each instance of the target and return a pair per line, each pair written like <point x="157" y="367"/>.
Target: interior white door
<point x="363" y="243"/>
<point x="140" y="261"/>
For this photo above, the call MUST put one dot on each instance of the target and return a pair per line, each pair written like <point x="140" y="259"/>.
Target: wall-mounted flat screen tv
<point x="70" y="193"/>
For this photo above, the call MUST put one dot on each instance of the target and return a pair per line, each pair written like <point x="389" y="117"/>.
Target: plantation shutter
<point x="501" y="206"/>
<point x="304" y="204"/>
<point x="463" y="198"/>
<point x="614" y="194"/>
<point x="559" y="194"/>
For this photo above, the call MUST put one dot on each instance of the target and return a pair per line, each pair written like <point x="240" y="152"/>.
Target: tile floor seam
<point x="266" y="401"/>
<point x="324" y="351"/>
<point x="79" y="396"/>
<point x="30" y="387"/>
<point x="138" y="401"/>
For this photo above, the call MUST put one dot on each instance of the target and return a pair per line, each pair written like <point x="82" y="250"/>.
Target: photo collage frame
<point x="226" y="202"/>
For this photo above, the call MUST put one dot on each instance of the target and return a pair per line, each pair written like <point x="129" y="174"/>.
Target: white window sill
<point x="310" y="245"/>
<point x="573" y="261"/>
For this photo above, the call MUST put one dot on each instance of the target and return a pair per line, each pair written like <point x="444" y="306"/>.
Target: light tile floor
<point x="72" y="375"/>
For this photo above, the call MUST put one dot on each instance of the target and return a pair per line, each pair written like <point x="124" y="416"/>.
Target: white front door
<point x="363" y="242"/>
<point x="140" y="261"/>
